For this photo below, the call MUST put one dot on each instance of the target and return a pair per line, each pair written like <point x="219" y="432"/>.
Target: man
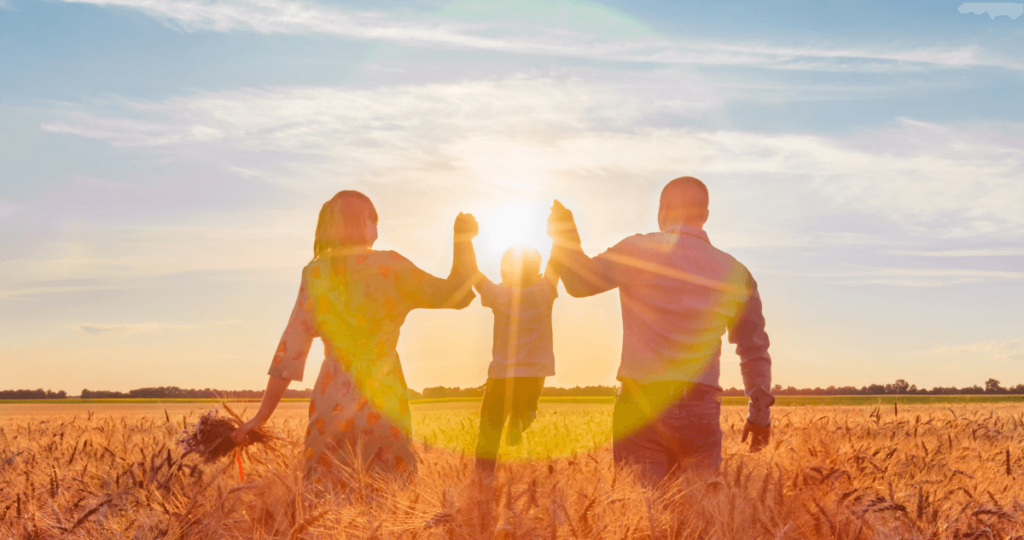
<point x="679" y="296"/>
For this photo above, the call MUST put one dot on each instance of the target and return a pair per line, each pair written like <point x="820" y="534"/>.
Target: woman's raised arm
<point x="423" y="290"/>
<point x="464" y="266"/>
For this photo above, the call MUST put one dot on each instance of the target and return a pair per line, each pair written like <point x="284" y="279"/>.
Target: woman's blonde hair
<point x="341" y="222"/>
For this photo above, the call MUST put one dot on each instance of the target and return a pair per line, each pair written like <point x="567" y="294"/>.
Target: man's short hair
<point x="685" y="192"/>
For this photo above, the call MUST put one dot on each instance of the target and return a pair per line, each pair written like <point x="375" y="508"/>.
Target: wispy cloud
<point x="1011" y="10"/>
<point x="539" y="134"/>
<point x="1001" y="348"/>
<point x="152" y="251"/>
<point x="140" y="133"/>
<point x="731" y="238"/>
<point x="95" y="328"/>
<point x="994" y="252"/>
<point x="917" y="277"/>
<point x="145" y="327"/>
<point x="294" y="17"/>
<point x="141" y="327"/>
<point x="15" y="291"/>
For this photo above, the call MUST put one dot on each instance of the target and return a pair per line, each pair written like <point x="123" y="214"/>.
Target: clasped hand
<point x="466" y="227"/>
<point x="562" y="225"/>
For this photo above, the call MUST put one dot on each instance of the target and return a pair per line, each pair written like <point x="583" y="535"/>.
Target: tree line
<point x="173" y="392"/>
<point x="439" y="392"/>
<point x="900" y="387"/>
<point x="32" y="394"/>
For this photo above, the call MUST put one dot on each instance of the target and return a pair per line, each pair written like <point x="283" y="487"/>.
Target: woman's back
<point x="358" y="302"/>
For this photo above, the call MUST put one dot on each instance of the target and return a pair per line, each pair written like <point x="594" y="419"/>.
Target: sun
<point x="515" y="223"/>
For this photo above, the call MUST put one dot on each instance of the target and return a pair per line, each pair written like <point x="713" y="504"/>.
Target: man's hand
<point x="562" y="226"/>
<point x="466" y="227"/>
<point x="759" y="435"/>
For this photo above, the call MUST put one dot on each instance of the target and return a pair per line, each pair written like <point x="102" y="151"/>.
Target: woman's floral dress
<point x="356" y="304"/>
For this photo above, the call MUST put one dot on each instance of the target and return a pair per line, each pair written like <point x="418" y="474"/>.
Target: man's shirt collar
<point x="689" y="230"/>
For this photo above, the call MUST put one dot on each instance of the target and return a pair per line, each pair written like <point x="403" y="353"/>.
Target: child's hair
<point x="520" y="266"/>
<point x="342" y="222"/>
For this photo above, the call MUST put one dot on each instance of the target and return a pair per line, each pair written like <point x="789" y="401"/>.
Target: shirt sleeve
<point x="422" y="290"/>
<point x="748" y="334"/>
<point x="290" y="359"/>
<point x="587" y="276"/>
<point x="617" y="262"/>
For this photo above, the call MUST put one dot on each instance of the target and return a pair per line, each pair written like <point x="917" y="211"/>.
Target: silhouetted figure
<point x="679" y="296"/>
<point x="356" y="299"/>
<point x="523" y="352"/>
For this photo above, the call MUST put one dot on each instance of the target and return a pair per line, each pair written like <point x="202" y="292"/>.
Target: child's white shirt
<point x="523" y="345"/>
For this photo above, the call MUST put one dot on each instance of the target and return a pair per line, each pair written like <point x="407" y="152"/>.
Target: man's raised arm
<point x="582" y="275"/>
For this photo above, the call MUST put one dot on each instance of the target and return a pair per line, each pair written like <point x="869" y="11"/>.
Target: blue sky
<point x="162" y="164"/>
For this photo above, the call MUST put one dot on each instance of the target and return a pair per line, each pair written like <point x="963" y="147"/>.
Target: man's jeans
<point x="660" y="428"/>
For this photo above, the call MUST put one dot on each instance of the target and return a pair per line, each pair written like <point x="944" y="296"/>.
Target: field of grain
<point x="922" y="471"/>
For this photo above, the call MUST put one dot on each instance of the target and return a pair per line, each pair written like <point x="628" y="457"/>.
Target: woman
<point x="355" y="299"/>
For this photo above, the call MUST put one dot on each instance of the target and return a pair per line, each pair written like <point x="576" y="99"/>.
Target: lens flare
<point x="515" y="223"/>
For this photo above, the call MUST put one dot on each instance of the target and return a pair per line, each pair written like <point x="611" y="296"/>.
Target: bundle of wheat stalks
<point x="210" y="437"/>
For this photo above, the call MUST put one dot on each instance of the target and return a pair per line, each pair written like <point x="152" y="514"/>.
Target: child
<point x="522" y="355"/>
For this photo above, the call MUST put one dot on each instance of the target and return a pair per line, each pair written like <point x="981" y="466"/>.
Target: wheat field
<point x="928" y="471"/>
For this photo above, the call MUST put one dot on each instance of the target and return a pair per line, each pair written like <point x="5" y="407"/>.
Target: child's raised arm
<point x="482" y="282"/>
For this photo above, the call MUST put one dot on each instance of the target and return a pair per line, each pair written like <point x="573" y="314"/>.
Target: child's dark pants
<point x="516" y="397"/>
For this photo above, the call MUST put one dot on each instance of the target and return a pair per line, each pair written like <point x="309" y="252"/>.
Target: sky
<point x="162" y="163"/>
